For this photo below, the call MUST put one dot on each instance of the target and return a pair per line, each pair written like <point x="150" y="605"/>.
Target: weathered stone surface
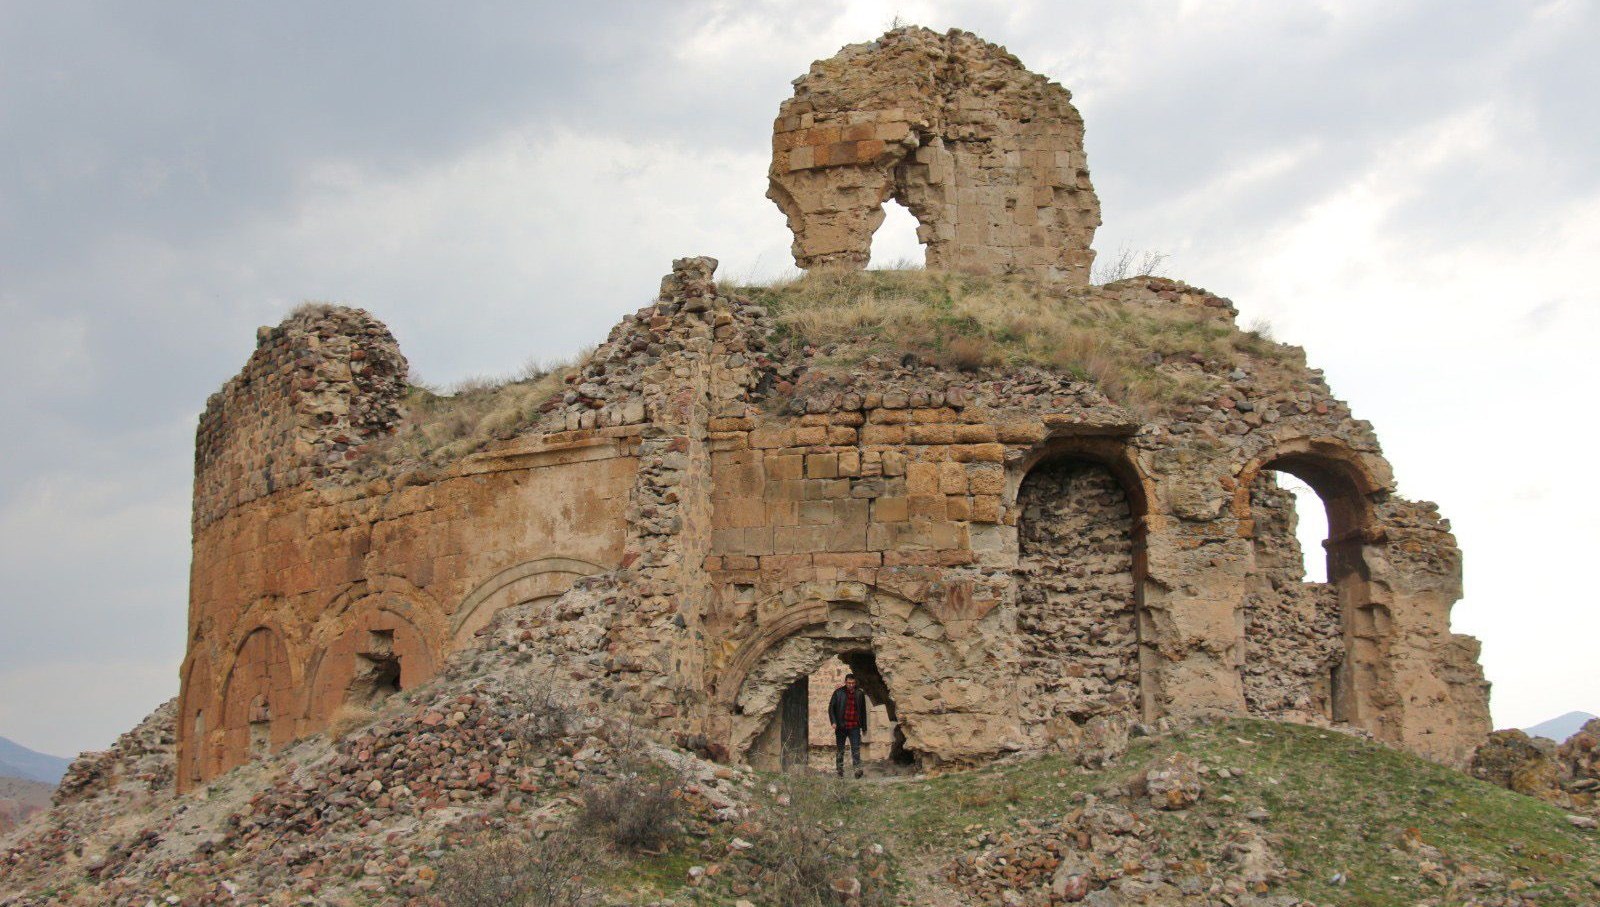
<point x="987" y="156"/>
<point x="1174" y="782"/>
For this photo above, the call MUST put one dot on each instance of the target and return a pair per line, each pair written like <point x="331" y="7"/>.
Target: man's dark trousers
<point x="840" y="735"/>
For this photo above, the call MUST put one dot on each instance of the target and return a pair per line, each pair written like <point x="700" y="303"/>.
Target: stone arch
<point x="374" y="641"/>
<point x="944" y="707"/>
<point x="987" y="156"/>
<point x="1348" y="481"/>
<point x="541" y="578"/>
<point x="259" y="689"/>
<point x="1333" y="637"/>
<point x="1081" y="504"/>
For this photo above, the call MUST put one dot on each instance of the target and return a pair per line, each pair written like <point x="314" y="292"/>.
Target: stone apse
<point x="1010" y="564"/>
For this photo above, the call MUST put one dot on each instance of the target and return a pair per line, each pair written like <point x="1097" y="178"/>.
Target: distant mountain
<point x="1559" y="729"/>
<point x="17" y="761"/>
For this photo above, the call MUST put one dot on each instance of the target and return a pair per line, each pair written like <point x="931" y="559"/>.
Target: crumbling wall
<point x="1076" y="620"/>
<point x="1293" y="631"/>
<point x="987" y="156"/>
<point x="318" y="386"/>
<point x="724" y="491"/>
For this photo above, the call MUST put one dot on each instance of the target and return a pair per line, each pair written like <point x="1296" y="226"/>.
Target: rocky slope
<point x="511" y="747"/>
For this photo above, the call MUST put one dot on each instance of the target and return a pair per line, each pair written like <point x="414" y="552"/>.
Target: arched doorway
<point x="1308" y="639"/>
<point x="1078" y="575"/>
<point x="901" y="656"/>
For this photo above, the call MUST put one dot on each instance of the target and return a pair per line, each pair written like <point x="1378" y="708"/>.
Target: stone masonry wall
<point x="318" y="386"/>
<point x="1076" y="619"/>
<point x="987" y="156"/>
<point x="738" y="514"/>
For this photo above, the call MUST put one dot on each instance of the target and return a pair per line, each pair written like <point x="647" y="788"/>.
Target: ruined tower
<point x="986" y="155"/>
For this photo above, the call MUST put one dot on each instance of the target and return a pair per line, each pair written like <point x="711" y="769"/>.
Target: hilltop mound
<point x="507" y="754"/>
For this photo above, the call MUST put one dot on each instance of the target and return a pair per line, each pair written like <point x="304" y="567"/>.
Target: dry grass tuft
<point x="968" y="323"/>
<point x="518" y="872"/>
<point x="444" y="425"/>
<point x="349" y="717"/>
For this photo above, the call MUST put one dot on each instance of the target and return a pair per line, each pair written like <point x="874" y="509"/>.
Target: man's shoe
<point x="858" y="773"/>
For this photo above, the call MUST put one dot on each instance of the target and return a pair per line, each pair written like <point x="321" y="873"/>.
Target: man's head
<point x="849" y="681"/>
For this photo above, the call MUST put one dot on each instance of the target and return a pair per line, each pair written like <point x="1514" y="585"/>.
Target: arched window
<point x="895" y="245"/>
<point x="1309" y="515"/>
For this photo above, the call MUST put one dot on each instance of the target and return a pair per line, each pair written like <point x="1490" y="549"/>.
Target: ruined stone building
<point x="706" y="511"/>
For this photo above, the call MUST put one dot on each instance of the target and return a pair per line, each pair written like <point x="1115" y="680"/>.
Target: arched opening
<point x="902" y="656"/>
<point x="377" y="670"/>
<point x="1309" y="518"/>
<point x="1078" y="576"/>
<point x="882" y="745"/>
<point x="258" y="699"/>
<point x="897" y="244"/>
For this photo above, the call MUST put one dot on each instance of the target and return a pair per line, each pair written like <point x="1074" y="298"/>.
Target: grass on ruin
<point x="442" y="425"/>
<point x="966" y="322"/>
<point x="1338" y="805"/>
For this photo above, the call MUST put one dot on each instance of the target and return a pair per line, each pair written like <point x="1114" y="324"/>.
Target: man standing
<point x="847" y="712"/>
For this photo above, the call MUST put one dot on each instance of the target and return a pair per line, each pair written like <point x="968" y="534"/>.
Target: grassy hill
<point x="1292" y="813"/>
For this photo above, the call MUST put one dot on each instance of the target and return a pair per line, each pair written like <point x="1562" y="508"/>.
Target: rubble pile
<point x="493" y="747"/>
<point x="1565" y="774"/>
<point x="1107" y="852"/>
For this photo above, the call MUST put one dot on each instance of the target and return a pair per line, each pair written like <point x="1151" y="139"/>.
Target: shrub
<point x="634" y="812"/>
<point x="542" y="715"/>
<point x="517" y="872"/>
<point x="802" y="850"/>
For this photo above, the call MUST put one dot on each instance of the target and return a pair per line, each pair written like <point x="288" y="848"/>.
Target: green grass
<point x="1337" y="804"/>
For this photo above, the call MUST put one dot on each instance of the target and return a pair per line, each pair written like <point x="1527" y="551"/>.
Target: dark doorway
<point x="793" y="719"/>
<point x="377" y="674"/>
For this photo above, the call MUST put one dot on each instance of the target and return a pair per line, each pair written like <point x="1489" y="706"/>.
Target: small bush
<point x="543" y="715"/>
<point x="634" y="812"/>
<point x="803" y="849"/>
<point x="1128" y="263"/>
<point x="349" y="717"/>
<point x="517" y="872"/>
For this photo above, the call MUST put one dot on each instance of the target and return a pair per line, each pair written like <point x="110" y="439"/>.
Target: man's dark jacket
<point x="836" y="708"/>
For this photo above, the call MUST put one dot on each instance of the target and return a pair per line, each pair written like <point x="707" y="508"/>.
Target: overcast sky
<point x="1410" y="190"/>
